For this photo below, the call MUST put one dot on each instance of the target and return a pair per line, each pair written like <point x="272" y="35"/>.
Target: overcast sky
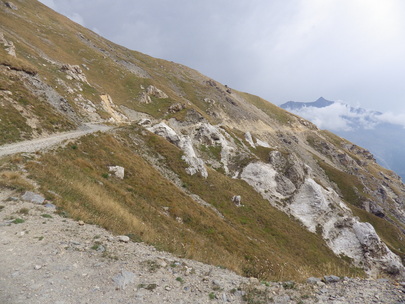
<point x="344" y="50"/>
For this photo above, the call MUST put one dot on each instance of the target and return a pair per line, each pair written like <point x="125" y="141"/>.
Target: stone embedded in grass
<point x="118" y="171"/>
<point x="236" y="199"/>
<point x="331" y="279"/>
<point x="123" y="238"/>
<point x="33" y="197"/>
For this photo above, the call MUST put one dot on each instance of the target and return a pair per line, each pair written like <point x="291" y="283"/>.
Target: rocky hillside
<point x="190" y="166"/>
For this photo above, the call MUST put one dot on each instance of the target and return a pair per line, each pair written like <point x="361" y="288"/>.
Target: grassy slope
<point x="253" y="240"/>
<point x="66" y="42"/>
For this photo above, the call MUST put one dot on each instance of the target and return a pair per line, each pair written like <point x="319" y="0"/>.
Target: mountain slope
<point x="375" y="131"/>
<point x="210" y="173"/>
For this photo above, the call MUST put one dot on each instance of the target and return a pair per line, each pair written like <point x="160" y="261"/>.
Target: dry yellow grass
<point x="256" y="240"/>
<point x="14" y="180"/>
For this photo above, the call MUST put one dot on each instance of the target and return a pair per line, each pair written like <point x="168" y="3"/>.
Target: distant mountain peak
<point x="319" y="103"/>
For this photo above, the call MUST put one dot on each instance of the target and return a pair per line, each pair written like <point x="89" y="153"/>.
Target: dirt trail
<point x="47" y="259"/>
<point x="46" y="142"/>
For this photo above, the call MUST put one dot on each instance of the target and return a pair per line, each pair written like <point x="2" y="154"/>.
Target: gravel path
<point x="46" y="142"/>
<point x="45" y="258"/>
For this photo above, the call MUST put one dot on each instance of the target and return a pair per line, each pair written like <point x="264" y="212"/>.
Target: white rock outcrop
<point x="267" y="181"/>
<point x="154" y="91"/>
<point x="212" y="135"/>
<point x="145" y="98"/>
<point x="74" y="72"/>
<point x="195" y="163"/>
<point x="118" y="171"/>
<point x="249" y="139"/>
<point x="322" y="211"/>
<point x="8" y="45"/>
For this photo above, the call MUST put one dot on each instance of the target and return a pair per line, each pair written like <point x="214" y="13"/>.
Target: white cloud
<point x="396" y="119"/>
<point x="340" y="117"/>
<point x="330" y="118"/>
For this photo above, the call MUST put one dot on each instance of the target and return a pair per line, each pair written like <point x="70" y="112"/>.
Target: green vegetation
<point x="180" y="279"/>
<point x="349" y="185"/>
<point x="273" y="111"/>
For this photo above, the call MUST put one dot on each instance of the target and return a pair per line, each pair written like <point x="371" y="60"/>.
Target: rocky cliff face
<point x="63" y="76"/>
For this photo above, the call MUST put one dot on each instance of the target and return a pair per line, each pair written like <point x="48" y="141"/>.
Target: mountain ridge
<point x="319" y="103"/>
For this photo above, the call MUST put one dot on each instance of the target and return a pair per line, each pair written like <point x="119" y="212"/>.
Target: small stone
<point x="161" y="263"/>
<point x="51" y="206"/>
<point x="33" y="197"/>
<point x="81" y="223"/>
<point x="320" y="284"/>
<point x="253" y="281"/>
<point x="37" y="267"/>
<point x="124" y="278"/>
<point x="331" y="279"/>
<point x="188" y="271"/>
<point x="313" y="280"/>
<point x="167" y="288"/>
<point x="123" y="238"/>
<point x="101" y="248"/>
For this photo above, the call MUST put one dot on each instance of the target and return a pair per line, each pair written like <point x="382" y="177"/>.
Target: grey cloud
<point x="350" y="50"/>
